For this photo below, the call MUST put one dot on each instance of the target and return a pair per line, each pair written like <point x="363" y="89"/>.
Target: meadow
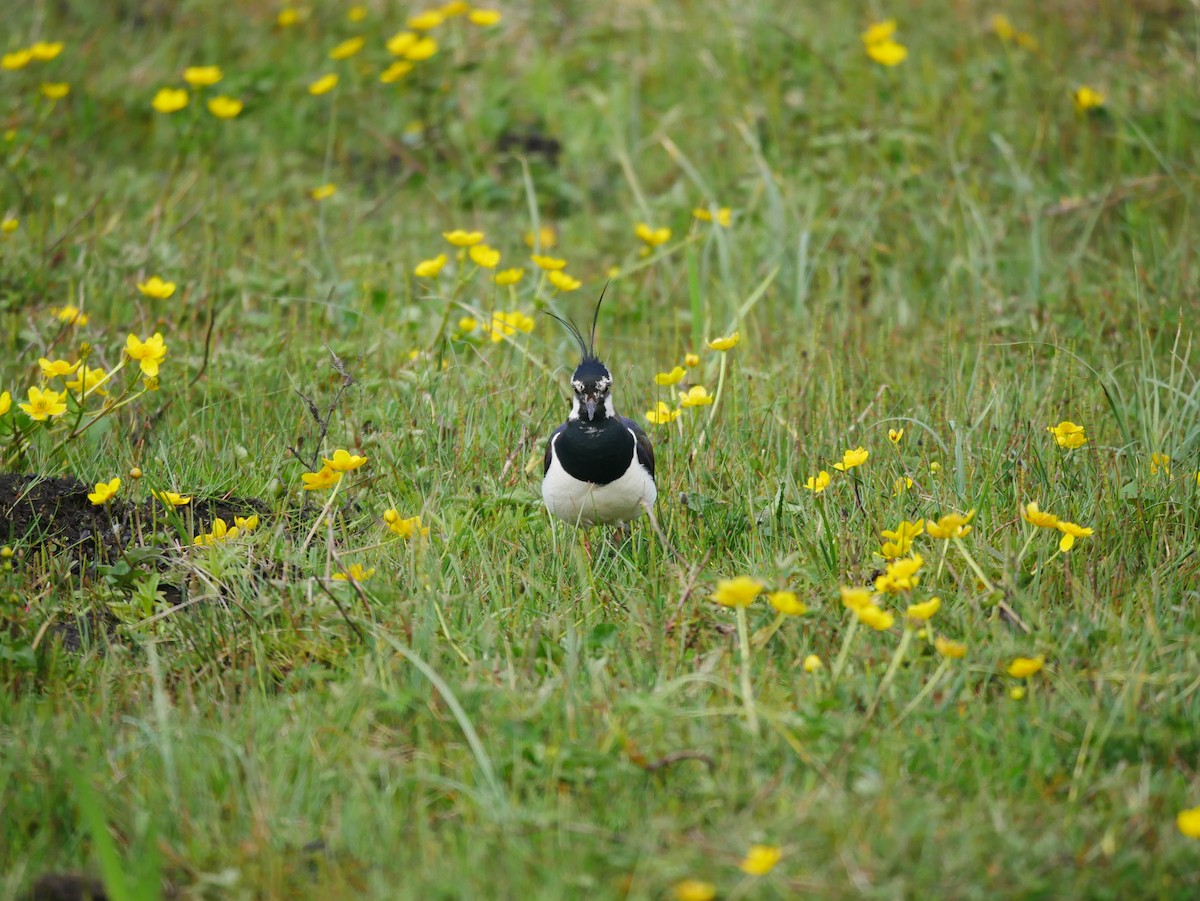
<point x="905" y="296"/>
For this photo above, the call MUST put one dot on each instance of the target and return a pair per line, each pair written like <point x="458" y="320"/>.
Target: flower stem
<point x="923" y="693"/>
<point x="840" y="663"/>
<point x="962" y="549"/>
<point x="747" y="687"/>
<point x="890" y="673"/>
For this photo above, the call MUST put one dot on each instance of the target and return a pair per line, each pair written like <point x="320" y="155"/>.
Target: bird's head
<point x="592" y="384"/>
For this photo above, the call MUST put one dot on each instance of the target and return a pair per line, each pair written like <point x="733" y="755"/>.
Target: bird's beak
<point x="590" y="406"/>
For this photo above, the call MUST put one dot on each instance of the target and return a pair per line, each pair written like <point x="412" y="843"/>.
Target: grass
<point x="946" y="247"/>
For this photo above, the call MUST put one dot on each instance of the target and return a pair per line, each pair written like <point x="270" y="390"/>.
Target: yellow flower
<point x="246" y="523"/>
<point x="455" y="8"/>
<point x="723" y="218"/>
<point x="726" y="343"/>
<point x="18" y="59"/>
<point x="895" y="435"/>
<point x="405" y="528"/>
<point x="812" y="663"/>
<point x="5" y="402"/>
<point x="347" y="48"/>
<point x="171" y="499"/>
<point x="426" y="21"/>
<point x="220" y="532"/>
<point x="8" y="225"/>
<point x="323" y="85"/>
<point x="356" y="13"/>
<point x="88" y="381"/>
<point x="170" y="100"/>
<point x="149" y="353"/>
<point x="739" y="592"/>
<point x="53" y="368"/>
<point x="157" y="288"/>
<point x="852" y="458"/>
<point x="545" y="238"/>
<point x="69" y="314"/>
<point x="787" y="603"/>
<point x="760" y="860"/>
<point x="55" y="90"/>
<point x="696" y="396"/>
<point x="1087" y="98"/>
<point x="901" y="485"/>
<point x="355" y="572"/>
<point x="430" y="268"/>
<point x="287" y="17"/>
<point x="484" y="256"/>
<point x="105" y="491"/>
<point x="952" y="525"/>
<point x="949" y="648"/>
<point x="44" y="51"/>
<point x="344" y="461"/>
<point x="652" y="237"/>
<point x="395" y="71"/>
<point x="900" y="575"/>
<point x="935" y="467"/>
<point x="855" y="598"/>
<point x="549" y="264"/>
<point x="44" y="403"/>
<point x="879" y="620"/>
<point x="695" y="890"/>
<point x="1028" y="41"/>
<point x="1160" y="461"/>
<point x="879" y="32"/>
<point x="562" y="281"/>
<point x="225" y="107"/>
<point x="1188" y="822"/>
<point x="818" y="483"/>
<point x="1024" y="667"/>
<point x="887" y="53"/>
<point x="460" y="238"/>
<point x="1068" y="434"/>
<point x="421" y="50"/>
<point x="509" y="276"/>
<point x="399" y="43"/>
<point x="323" y="478"/>
<point x="662" y="414"/>
<point x="467" y="324"/>
<point x="323" y="192"/>
<point x="1003" y="28"/>
<point x="1035" y="517"/>
<point x="900" y="539"/>
<point x="691" y="360"/>
<point x="674" y="377"/>
<point x="202" y="76"/>
<point x="1070" y="533"/>
<point x="923" y="611"/>
<point x="484" y="18"/>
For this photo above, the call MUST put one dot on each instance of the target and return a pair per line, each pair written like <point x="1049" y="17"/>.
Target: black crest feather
<point x="587" y="347"/>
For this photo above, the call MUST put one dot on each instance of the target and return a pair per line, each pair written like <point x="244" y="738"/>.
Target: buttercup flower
<point x="171" y="499"/>
<point x="405" y="528"/>
<point x="760" y="860"/>
<point x="695" y="890"/>
<point x="5" y="402"/>
<point x="105" y="491"/>
<point x="1087" y="98"/>
<point x="202" y="76"/>
<point x="674" y="377"/>
<point x="221" y="531"/>
<point x="356" y="13"/>
<point x="852" y="458"/>
<point x="344" y="461"/>
<point x="691" y="360"/>
<point x="460" y="238"/>
<point x="545" y="238"/>
<point x="399" y="43"/>
<point x="949" y="648"/>
<point x="225" y="107"/>
<point x="88" y="381"/>
<point x="509" y="276"/>
<point x="549" y="264"/>
<point x="325" y="477"/>
<point x="1188" y="822"/>
<point x="652" y="237"/>
<point x="895" y="435"/>
<point x="55" y="90"/>
<point x="696" y="396"/>
<point x="44" y="51"/>
<point x="887" y="53"/>
<point x="723" y="218"/>
<point x="1002" y="27"/>
<point x="467" y="324"/>
<point x="430" y="268"/>
<point x="874" y="617"/>
<point x="54" y="368"/>
<point x="395" y="71"/>
<point x="455" y="8"/>
<point x="246" y="523"/>
<point x="1035" y="517"/>
<point x="45" y="403"/>
<point x="347" y="48"/>
<point x="426" y="21"/>
<point x="157" y="288"/>
<point x="727" y="343"/>
<point x="739" y="592"/>
<point x="18" y="59"/>
<point x="287" y="17"/>
<point x="899" y="540"/>
<point x="484" y="256"/>
<point x="8" y="225"/>
<point x="854" y="598"/>
<point x="170" y="100"/>
<point x="484" y="18"/>
<point x="812" y="663"/>
<point x="901" y="485"/>
<point x="787" y="603"/>
<point x="1067" y="434"/>
<point x="149" y="353"/>
<point x="879" y="32"/>
<point x="69" y="314"/>
<point x="1160" y="462"/>
<point x="662" y="414"/>
<point x="818" y="483"/>
<point x="1070" y="533"/>
<point x="900" y="575"/>
<point x="354" y="572"/>
<point x="323" y="85"/>
<point x="952" y="525"/>
<point x="923" y="611"/>
<point x="1024" y="667"/>
<point x="421" y="50"/>
<point x="562" y="281"/>
<point x="323" y="192"/>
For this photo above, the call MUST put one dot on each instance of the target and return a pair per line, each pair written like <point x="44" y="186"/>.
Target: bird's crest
<point x="587" y="348"/>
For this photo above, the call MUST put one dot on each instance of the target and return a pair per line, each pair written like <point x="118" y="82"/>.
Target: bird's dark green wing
<point x="645" y="450"/>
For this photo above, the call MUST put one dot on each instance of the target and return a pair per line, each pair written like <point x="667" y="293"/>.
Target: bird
<point x="599" y="465"/>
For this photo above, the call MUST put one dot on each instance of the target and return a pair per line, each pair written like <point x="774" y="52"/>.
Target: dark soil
<point x="40" y="512"/>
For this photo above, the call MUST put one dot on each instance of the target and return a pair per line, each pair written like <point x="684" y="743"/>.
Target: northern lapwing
<point x="599" y="467"/>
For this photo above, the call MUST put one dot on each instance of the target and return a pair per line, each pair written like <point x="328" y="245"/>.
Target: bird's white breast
<point x="587" y="504"/>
